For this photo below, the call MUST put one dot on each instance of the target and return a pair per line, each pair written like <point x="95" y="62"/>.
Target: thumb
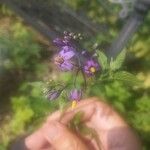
<point x="61" y="138"/>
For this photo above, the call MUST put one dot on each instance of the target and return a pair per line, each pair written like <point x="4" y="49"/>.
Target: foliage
<point x="5" y="11"/>
<point x="111" y="70"/>
<point x="141" y="40"/>
<point x="19" y="57"/>
<point x="114" y="92"/>
<point x="140" y="119"/>
<point x="22" y="113"/>
<point x="18" y="49"/>
<point x="29" y="109"/>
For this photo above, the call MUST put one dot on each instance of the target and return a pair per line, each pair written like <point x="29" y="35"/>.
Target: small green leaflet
<point x="117" y="63"/>
<point x="126" y="77"/>
<point x="103" y="60"/>
<point x="114" y="64"/>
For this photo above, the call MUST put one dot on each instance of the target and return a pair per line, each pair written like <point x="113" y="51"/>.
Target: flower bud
<point x="75" y="94"/>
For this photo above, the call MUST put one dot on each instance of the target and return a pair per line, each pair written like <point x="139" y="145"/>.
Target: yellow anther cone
<point x="74" y="104"/>
<point x="92" y="69"/>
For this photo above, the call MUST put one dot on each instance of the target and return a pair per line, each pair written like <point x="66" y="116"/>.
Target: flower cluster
<point x="70" y="57"/>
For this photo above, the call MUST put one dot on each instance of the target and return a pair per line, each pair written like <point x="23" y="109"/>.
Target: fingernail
<point x="53" y="131"/>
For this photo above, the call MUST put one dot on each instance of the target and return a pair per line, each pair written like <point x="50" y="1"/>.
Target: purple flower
<point x="91" y="67"/>
<point x="75" y="95"/>
<point x="63" y="59"/>
<point x="52" y="95"/>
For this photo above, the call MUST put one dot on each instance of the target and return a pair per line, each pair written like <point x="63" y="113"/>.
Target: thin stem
<point x="75" y="79"/>
<point x="85" y="83"/>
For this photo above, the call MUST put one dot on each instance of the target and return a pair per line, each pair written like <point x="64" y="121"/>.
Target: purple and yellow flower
<point x="63" y="58"/>
<point x="91" y="67"/>
<point x="75" y="96"/>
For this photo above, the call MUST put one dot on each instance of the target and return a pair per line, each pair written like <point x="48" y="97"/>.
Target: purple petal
<point x="66" y="66"/>
<point x="52" y="95"/>
<point x="69" y="55"/>
<point x="86" y="67"/>
<point x="68" y="48"/>
<point x="75" y="94"/>
<point x="62" y="53"/>
<point x="91" y="63"/>
<point x="87" y="72"/>
<point x="67" y="52"/>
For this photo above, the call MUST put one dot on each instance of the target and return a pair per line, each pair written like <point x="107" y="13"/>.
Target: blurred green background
<point x="25" y="62"/>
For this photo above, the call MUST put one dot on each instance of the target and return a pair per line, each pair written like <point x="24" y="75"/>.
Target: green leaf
<point x="117" y="63"/>
<point x="112" y="65"/>
<point x="120" y="106"/>
<point x="103" y="60"/>
<point x="126" y="77"/>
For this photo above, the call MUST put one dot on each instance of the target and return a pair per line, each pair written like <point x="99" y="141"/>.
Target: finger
<point x="36" y="141"/>
<point x="61" y="138"/>
<point x="55" y="116"/>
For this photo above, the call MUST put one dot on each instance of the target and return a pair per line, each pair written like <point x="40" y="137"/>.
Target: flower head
<point x="75" y="95"/>
<point x="63" y="58"/>
<point x="91" y="67"/>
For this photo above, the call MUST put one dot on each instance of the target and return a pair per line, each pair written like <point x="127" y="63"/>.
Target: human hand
<point x="112" y="130"/>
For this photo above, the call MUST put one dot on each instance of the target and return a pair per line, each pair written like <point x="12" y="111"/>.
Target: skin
<point x="112" y="130"/>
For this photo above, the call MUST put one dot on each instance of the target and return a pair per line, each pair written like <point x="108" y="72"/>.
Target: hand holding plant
<point x="110" y="128"/>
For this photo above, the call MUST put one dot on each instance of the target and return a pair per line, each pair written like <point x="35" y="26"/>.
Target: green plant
<point x="29" y="109"/>
<point x="18" y="49"/>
